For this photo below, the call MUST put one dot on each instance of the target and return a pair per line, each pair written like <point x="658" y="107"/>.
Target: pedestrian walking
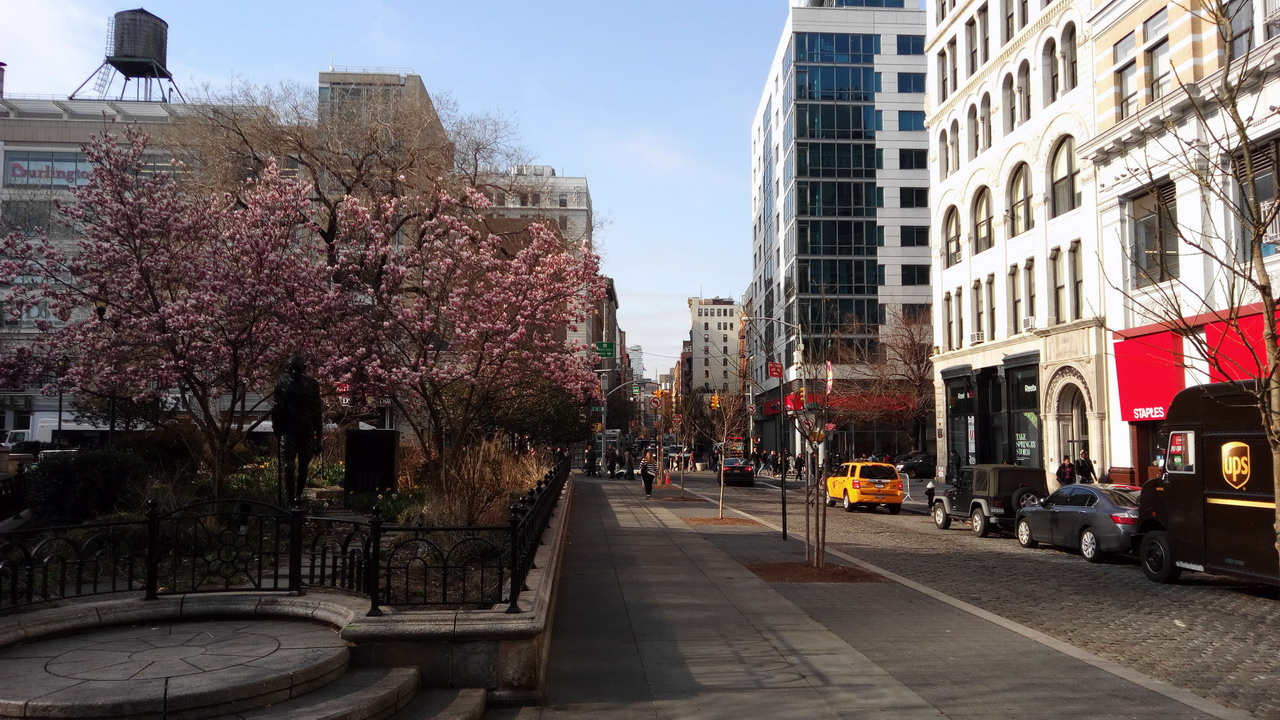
<point x="629" y="462"/>
<point x="647" y="473"/>
<point x="1084" y="468"/>
<point x="1066" y="471"/>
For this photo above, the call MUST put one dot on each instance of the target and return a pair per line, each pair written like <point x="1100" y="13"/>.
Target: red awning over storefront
<point x="865" y="402"/>
<point x="1235" y="348"/>
<point x="1149" y="369"/>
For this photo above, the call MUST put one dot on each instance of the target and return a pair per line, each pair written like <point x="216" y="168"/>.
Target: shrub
<point x="77" y="486"/>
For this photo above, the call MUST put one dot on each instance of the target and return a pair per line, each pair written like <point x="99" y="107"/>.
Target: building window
<point x="1126" y="90"/>
<point x="915" y="274"/>
<point x="910" y="82"/>
<point x="1020" y="219"/>
<point x="984" y="33"/>
<point x="1071" y="78"/>
<point x="975" y="132"/>
<point x="951" y="227"/>
<point x="978" y="316"/>
<point x="915" y="236"/>
<point x="944" y="155"/>
<point x="563" y="200"/>
<point x="959" y="308"/>
<point x="1241" y="14"/>
<point x="1064" y="172"/>
<point x="1077" y="281"/>
<point x="911" y="120"/>
<point x="1049" y="61"/>
<point x="913" y="159"/>
<point x="1015" y="301"/>
<point x="982" y="239"/>
<point x="1009" y="21"/>
<point x="1154" y="218"/>
<point x="1029" y="276"/>
<point x="953" y="63"/>
<point x="910" y="44"/>
<point x="955" y="145"/>
<point x="1024" y="92"/>
<point x="1158" y="70"/>
<point x="971" y="42"/>
<point x="951" y="328"/>
<point x="984" y="119"/>
<point x="1010" y="104"/>
<point x="1058" y="281"/>
<point x="915" y="197"/>
<point x="944" y="84"/>
<point x="991" y="307"/>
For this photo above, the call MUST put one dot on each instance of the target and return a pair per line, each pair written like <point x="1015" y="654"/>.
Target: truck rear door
<point x="1239" y="505"/>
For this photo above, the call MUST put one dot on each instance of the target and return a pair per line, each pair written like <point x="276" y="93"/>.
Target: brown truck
<point x="1213" y="507"/>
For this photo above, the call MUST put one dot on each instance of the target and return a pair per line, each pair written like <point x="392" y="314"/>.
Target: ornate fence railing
<point x="239" y="545"/>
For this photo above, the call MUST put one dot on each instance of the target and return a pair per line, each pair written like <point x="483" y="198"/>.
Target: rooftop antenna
<point x="137" y="49"/>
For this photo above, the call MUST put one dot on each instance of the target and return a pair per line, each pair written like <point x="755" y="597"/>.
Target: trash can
<point x="372" y="461"/>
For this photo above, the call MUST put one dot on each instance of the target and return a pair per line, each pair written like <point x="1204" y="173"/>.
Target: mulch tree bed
<point x="719" y="521"/>
<point x="798" y="572"/>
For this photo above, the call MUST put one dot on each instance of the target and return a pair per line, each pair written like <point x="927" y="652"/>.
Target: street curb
<point x="1161" y="687"/>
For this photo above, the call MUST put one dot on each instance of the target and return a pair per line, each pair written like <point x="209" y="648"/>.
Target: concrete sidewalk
<point x="659" y="618"/>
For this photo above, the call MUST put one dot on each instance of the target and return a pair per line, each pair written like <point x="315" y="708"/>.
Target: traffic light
<point x="804" y="397"/>
<point x="715" y="402"/>
<point x="657" y="393"/>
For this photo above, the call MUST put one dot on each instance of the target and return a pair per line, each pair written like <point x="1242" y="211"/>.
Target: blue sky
<point x="651" y="100"/>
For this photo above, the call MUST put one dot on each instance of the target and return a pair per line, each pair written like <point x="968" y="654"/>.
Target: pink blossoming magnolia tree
<point x="206" y="297"/>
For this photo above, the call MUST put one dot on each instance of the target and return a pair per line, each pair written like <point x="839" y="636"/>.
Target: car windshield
<point x="879" y="472"/>
<point x="732" y="461"/>
<point x="1121" y="498"/>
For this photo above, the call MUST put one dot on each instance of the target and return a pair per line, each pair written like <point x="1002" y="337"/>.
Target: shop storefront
<point x="993" y="413"/>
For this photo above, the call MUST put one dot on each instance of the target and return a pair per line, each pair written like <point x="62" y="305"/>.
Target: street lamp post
<point x="100" y="309"/>
<point x="782" y="402"/>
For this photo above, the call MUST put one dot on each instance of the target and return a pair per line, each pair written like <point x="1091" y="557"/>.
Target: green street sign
<point x="597" y="408"/>
<point x="635" y="389"/>
<point x="604" y="349"/>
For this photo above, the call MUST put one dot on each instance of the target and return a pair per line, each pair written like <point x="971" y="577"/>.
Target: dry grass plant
<point x="479" y="488"/>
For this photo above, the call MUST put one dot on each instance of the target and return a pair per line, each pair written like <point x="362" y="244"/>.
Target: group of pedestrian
<point x="1080" y="471"/>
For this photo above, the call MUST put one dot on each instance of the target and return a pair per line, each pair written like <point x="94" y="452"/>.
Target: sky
<point x="651" y="100"/>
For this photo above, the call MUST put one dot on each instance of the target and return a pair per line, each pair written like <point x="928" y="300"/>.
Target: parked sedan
<point x="918" y="464"/>
<point x="738" y="472"/>
<point x="1095" y="519"/>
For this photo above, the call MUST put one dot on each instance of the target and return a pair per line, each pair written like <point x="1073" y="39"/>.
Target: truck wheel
<point x="940" y="516"/>
<point x="1156" y="556"/>
<point x="1089" y="546"/>
<point x="848" y="506"/>
<point x="1024" y="535"/>
<point x="981" y="527"/>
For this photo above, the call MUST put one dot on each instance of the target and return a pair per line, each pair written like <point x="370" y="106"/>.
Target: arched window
<point x="975" y="132"/>
<point x="1020" y="219"/>
<point x="1070" y="78"/>
<point x="1049" y="61"/>
<point x="955" y="145"/>
<point x="982" y="239"/>
<point x="1063" y="171"/>
<point x="984" y="118"/>
<point x="951" y="228"/>
<point x="1010" y="104"/>
<point x="1024" y="92"/>
<point x="944" y="155"/>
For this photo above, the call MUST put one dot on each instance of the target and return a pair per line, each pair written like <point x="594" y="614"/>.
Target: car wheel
<point x="940" y="516"/>
<point x="831" y="502"/>
<point x="981" y="527"/>
<point x="1089" y="546"/>
<point x="894" y="509"/>
<point x="1024" y="535"/>
<point x="848" y="506"/>
<point x="1156" y="555"/>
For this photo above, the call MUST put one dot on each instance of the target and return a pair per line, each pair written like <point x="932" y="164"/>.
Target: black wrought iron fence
<point x="239" y="545"/>
<point x="12" y="495"/>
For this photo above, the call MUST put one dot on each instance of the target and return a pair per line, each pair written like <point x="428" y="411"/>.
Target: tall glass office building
<point x="840" y="200"/>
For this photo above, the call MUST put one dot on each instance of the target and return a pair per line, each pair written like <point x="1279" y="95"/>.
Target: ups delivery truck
<point x="1213" y="508"/>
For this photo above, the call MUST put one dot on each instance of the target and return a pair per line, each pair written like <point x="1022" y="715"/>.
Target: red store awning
<point x="1149" y="371"/>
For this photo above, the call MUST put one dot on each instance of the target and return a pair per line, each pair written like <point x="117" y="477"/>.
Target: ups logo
<point x="1235" y="464"/>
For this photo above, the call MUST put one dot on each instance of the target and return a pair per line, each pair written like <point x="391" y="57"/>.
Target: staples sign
<point x="1148" y="413"/>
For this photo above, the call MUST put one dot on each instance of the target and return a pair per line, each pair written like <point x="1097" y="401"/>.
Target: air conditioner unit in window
<point x="1272" y="12"/>
<point x="1029" y="323"/>
<point x="977" y="337"/>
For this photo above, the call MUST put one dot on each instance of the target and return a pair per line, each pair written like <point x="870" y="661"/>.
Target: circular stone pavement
<point x="152" y="670"/>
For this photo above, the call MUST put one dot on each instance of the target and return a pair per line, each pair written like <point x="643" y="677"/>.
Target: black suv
<point x="988" y="495"/>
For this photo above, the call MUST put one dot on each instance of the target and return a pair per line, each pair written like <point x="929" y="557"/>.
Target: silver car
<point x="1095" y="519"/>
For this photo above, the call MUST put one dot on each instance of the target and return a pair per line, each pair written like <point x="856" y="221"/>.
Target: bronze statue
<point x="296" y="419"/>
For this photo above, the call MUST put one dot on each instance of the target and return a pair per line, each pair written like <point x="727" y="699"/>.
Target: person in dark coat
<point x="1084" y="468"/>
<point x="1066" y="471"/>
<point x="297" y="417"/>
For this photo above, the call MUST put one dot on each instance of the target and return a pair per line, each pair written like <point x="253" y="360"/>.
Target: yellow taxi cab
<point x="867" y="484"/>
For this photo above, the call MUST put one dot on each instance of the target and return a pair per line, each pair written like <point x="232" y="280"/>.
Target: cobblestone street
<point x="1209" y="635"/>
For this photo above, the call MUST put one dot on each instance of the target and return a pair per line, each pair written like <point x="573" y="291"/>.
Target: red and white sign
<point x="775" y="370"/>
<point x="655" y="403"/>
<point x="677" y="419"/>
<point x="829" y="427"/>
<point x="1150" y="372"/>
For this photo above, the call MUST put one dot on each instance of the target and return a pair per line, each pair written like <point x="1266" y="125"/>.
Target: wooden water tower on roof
<point x="137" y="50"/>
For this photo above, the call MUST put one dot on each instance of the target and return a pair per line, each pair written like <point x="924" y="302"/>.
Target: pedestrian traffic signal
<point x="715" y="402"/>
